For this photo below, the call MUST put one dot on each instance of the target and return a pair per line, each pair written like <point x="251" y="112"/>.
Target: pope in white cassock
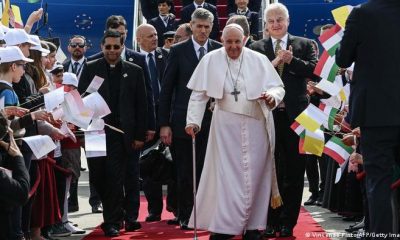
<point x="235" y="185"/>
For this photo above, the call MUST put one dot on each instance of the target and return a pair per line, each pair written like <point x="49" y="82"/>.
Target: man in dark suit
<point x="182" y="60"/>
<point x="156" y="57"/>
<point x="254" y="5"/>
<point x="118" y="23"/>
<point x="295" y="60"/>
<point x="252" y="17"/>
<point x="187" y="2"/>
<point x="374" y="88"/>
<point x="186" y="14"/>
<point x="77" y="48"/>
<point x="165" y="21"/>
<point x="125" y="93"/>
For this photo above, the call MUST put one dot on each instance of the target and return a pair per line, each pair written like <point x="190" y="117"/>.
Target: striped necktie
<point x="277" y="48"/>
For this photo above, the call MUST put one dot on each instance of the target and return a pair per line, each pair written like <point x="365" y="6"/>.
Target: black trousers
<point x="290" y="167"/>
<point x="380" y="148"/>
<point x="115" y="178"/>
<point x="316" y="168"/>
<point x="182" y="154"/>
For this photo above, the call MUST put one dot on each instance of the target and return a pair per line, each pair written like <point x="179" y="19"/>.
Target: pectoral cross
<point x="235" y="93"/>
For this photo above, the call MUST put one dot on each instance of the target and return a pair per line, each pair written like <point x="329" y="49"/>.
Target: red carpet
<point x="305" y="229"/>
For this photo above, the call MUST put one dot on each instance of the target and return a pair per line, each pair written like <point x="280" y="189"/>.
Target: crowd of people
<point x="226" y="107"/>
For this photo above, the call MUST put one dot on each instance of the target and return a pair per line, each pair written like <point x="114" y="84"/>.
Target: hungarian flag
<point x="331" y="113"/>
<point x="297" y="128"/>
<point x="337" y="150"/>
<point x="326" y="67"/>
<point x="311" y="118"/>
<point x="314" y="142"/>
<point x="331" y="38"/>
<point x="328" y="87"/>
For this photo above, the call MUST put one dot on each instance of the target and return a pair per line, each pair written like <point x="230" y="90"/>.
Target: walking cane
<point x="194" y="187"/>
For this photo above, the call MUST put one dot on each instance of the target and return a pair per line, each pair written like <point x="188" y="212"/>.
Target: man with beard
<point x="77" y="48"/>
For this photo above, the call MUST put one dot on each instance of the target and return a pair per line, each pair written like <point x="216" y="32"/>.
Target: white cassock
<point x="235" y="185"/>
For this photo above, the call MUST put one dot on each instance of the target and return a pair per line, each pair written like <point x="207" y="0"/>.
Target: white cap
<point x="70" y="79"/>
<point x="3" y="31"/>
<point x="12" y="54"/>
<point x="56" y="66"/>
<point x="17" y="36"/>
<point x="38" y="46"/>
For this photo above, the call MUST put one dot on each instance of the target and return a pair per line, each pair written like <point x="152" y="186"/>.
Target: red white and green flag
<point x="331" y="113"/>
<point x="326" y="67"/>
<point x="331" y="38"/>
<point x="297" y="128"/>
<point x="337" y="150"/>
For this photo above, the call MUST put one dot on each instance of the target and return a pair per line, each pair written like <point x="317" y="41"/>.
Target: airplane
<point x="62" y="19"/>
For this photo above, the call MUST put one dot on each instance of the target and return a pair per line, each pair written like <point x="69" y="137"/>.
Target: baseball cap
<point x="70" y="79"/>
<point x="38" y="46"/>
<point x="12" y="54"/>
<point x="57" y="67"/>
<point x="17" y="36"/>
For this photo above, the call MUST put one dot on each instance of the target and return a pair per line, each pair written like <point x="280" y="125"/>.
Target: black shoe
<point x="82" y="169"/>
<point x="253" y="235"/>
<point x="286" y="232"/>
<point x="110" y="230"/>
<point x="132" y="226"/>
<point x="270" y="232"/>
<point x="184" y="225"/>
<point x="153" y="218"/>
<point x="173" y="221"/>
<point x="355" y="227"/>
<point x="318" y="203"/>
<point x="349" y="218"/>
<point x="220" y="236"/>
<point x="97" y="208"/>
<point x="310" y="201"/>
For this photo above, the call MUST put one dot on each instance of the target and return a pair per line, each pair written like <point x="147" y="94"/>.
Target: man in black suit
<point x="242" y="21"/>
<point x="374" y="88"/>
<point x="182" y="60"/>
<point x="77" y="48"/>
<point x="156" y="57"/>
<point x="187" y="2"/>
<point x="254" y="5"/>
<point x="124" y="91"/>
<point x="118" y="23"/>
<point x="295" y="60"/>
<point x="186" y="14"/>
<point x="165" y="21"/>
<point x="252" y="17"/>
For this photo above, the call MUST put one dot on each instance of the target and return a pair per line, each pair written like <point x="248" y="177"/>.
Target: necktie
<point x="277" y="48"/>
<point x="154" y="77"/>
<point x="202" y="52"/>
<point x="75" y="68"/>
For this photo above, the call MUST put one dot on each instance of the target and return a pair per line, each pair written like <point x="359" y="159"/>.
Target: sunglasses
<point x="115" y="47"/>
<point x="74" y="45"/>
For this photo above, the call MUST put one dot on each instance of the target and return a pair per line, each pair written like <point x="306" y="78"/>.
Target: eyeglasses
<point x="74" y="45"/>
<point x="115" y="47"/>
<point x="21" y="64"/>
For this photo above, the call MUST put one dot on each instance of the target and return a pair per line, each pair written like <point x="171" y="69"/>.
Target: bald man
<point x="236" y="181"/>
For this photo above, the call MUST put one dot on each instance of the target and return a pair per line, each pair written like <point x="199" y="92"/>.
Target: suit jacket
<point x="182" y="61"/>
<point x="150" y="8"/>
<point x="160" y="27"/>
<point x="66" y="64"/>
<point x="140" y="60"/>
<point x="252" y="18"/>
<point x="294" y="74"/>
<point x="132" y="100"/>
<point x="186" y="15"/>
<point x="375" y="86"/>
<point x="161" y="62"/>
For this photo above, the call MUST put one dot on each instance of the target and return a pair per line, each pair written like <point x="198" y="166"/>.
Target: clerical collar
<point x="197" y="45"/>
<point x="284" y="39"/>
<point x="242" y="12"/>
<point x="197" y="5"/>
